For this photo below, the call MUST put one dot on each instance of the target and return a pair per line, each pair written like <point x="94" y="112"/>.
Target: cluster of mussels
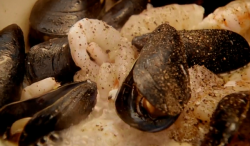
<point x="157" y="89"/>
<point x="153" y="94"/>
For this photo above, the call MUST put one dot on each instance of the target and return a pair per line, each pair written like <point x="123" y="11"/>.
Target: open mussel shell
<point x="21" y="109"/>
<point x="159" y="77"/>
<point x="229" y="121"/>
<point x="28" y="108"/>
<point x="50" y="59"/>
<point x="161" y="71"/>
<point x="127" y="109"/>
<point x="218" y="50"/>
<point x="53" y="18"/>
<point x="12" y="52"/>
<point x="72" y="107"/>
<point x="67" y="95"/>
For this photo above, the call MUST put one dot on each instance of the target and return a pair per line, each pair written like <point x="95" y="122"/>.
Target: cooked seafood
<point x="93" y="43"/>
<point x="234" y="16"/>
<point x="69" y="110"/>
<point x="160" y="76"/>
<point x="12" y="53"/>
<point x="218" y="50"/>
<point x="241" y="137"/>
<point x="54" y="111"/>
<point x="120" y="12"/>
<point x="178" y="16"/>
<point x="39" y="88"/>
<point x="50" y="59"/>
<point x="53" y="18"/>
<point x="103" y="127"/>
<point x="141" y="115"/>
<point x="209" y="5"/>
<point x="227" y="119"/>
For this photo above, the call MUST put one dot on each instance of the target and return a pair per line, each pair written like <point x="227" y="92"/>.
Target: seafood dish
<point x="125" y="73"/>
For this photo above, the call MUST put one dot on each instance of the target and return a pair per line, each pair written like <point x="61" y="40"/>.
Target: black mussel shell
<point x="128" y="110"/>
<point x="140" y="41"/>
<point x="161" y="76"/>
<point x="120" y="12"/>
<point x="21" y="109"/>
<point x="241" y="137"/>
<point x="218" y="50"/>
<point x="161" y="71"/>
<point x="12" y="52"/>
<point x="50" y="59"/>
<point x="69" y="110"/>
<point x="53" y="18"/>
<point x="228" y="120"/>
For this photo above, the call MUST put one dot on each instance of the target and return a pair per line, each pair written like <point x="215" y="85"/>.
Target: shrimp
<point x="235" y="16"/>
<point x="39" y="88"/>
<point x="93" y="43"/>
<point x="176" y="15"/>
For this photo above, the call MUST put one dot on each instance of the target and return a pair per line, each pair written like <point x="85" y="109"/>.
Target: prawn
<point x="93" y="44"/>
<point x="39" y="88"/>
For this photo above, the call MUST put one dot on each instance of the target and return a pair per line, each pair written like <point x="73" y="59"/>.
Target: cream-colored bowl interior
<point x="16" y="11"/>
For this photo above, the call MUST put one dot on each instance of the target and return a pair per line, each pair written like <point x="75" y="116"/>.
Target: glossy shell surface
<point x="12" y="53"/>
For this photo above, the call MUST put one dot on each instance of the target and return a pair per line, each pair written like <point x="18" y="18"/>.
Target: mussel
<point x="230" y="121"/>
<point x="12" y="52"/>
<point x="157" y="88"/>
<point x="218" y="50"/>
<point x="54" y="111"/>
<point x="53" y="18"/>
<point x="120" y="12"/>
<point x="50" y="59"/>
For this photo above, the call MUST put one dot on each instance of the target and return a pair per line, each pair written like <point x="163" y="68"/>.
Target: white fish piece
<point x="178" y="16"/>
<point x="234" y="16"/>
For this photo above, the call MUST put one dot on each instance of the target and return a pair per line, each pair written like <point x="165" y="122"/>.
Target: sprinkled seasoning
<point x="227" y="118"/>
<point x="157" y="88"/>
<point x="161" y="72"/>
<point x="217" y="49"/>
